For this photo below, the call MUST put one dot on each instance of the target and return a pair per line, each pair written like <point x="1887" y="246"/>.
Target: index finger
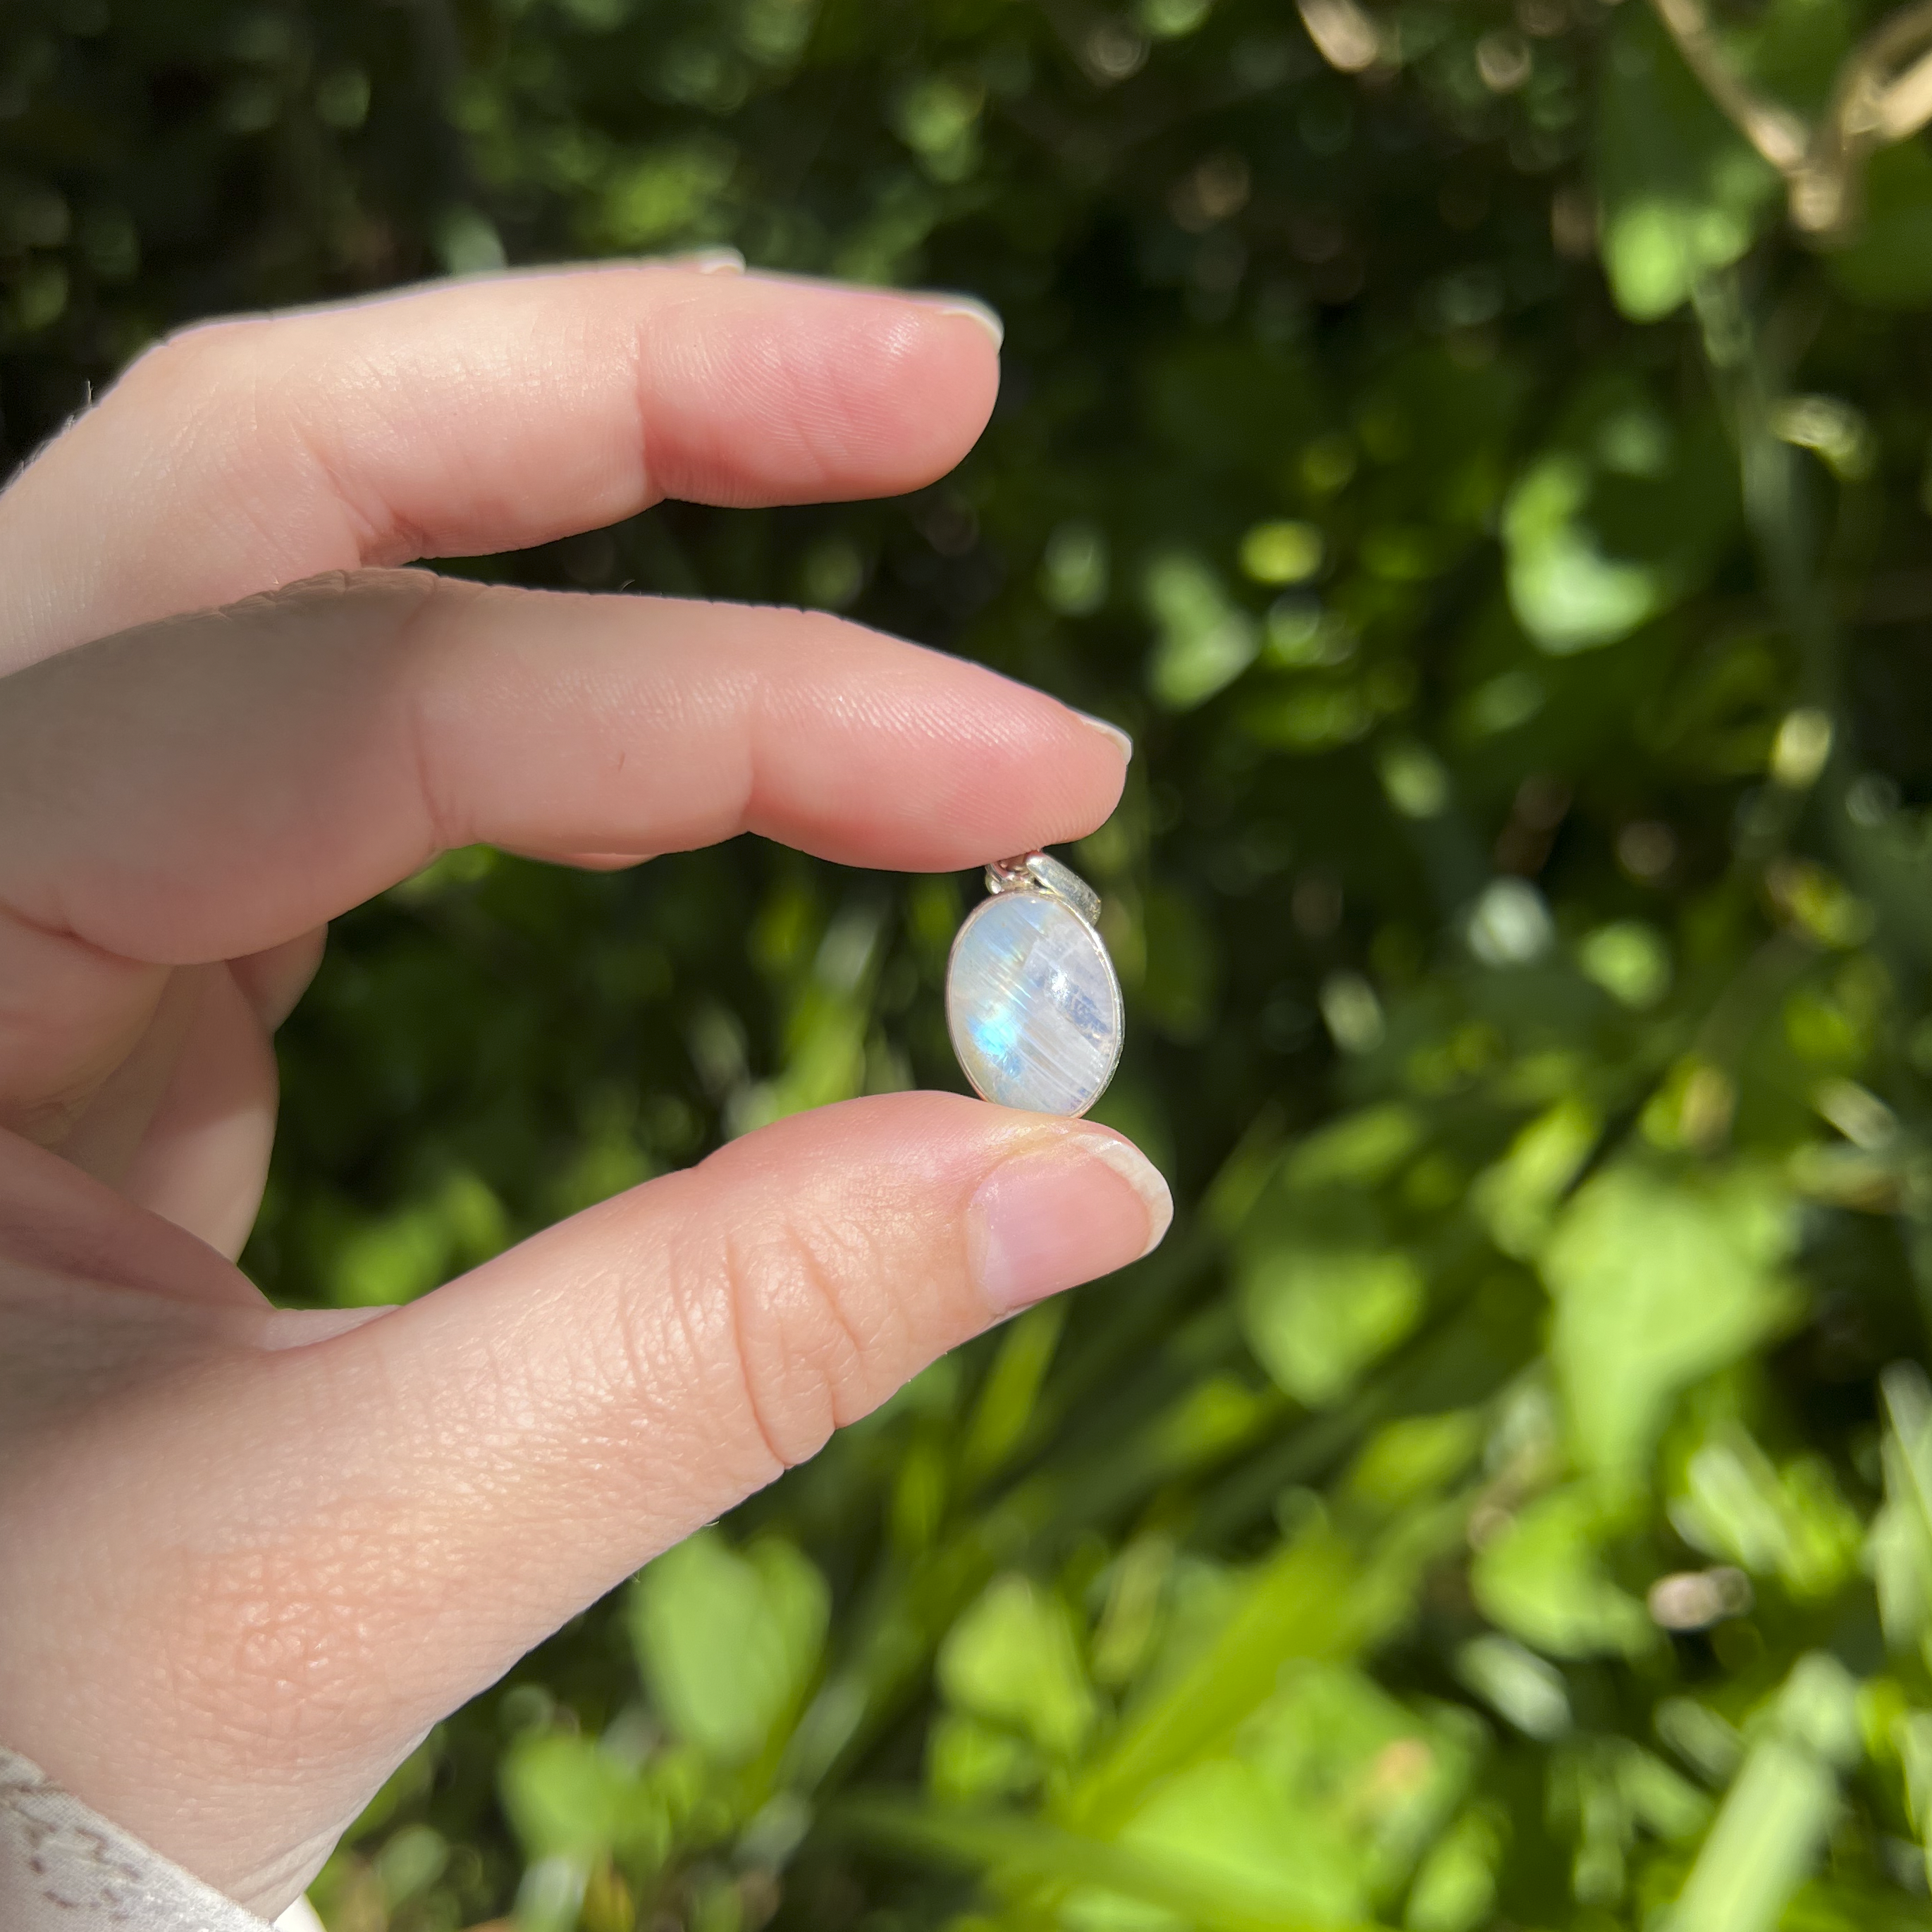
<point x="214" y="785"/>
<point x="472" y="418"/>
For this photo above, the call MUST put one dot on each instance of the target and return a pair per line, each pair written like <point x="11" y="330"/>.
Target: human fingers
<point x="200" y="1156"/>
<point x="474" y="417"/>
<point x="184" y="1123"/>
<point x="213" y="787"/>
<point x="392" y="1516"/>
<point x="271" y="981"/>
<point x="63" y="1225"/>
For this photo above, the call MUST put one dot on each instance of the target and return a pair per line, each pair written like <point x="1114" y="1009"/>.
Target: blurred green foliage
<point x="1507" y="1500"/>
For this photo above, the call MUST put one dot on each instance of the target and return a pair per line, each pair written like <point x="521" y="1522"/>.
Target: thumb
<point x="389" y="1517"/>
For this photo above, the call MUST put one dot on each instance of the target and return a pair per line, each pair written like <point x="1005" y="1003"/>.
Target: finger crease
<point x="383" y="537"/>
<point x="821" y="1279"/>
<point x="737" y="1291"/>
<point x="444" y="823"/>
<point x="641" y="411"/>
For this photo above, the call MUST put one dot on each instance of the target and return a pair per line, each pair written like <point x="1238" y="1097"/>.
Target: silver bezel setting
<point x="1038" y="874"/>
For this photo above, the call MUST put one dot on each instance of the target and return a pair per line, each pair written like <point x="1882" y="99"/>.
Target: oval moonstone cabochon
<point x="1034" y="1005"/>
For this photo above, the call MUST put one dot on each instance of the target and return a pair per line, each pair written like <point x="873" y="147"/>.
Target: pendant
<point x="1032" y="999"/>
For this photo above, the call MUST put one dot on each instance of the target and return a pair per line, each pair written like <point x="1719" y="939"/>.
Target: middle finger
<point x="214" y="786"/>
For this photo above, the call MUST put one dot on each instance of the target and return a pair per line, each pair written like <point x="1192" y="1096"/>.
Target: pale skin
<point x="250" y="1555"/>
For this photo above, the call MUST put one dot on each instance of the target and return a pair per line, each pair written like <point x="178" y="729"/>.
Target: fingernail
<point x="1051" y="1216"/>
<point x="719" y="261"/>
<point x="975" y="309"/>
<point x="1112" y="732"/>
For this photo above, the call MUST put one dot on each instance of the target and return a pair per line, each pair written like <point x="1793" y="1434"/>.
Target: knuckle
<point x="185" y="366"/>
<point x="818" y="1339"/>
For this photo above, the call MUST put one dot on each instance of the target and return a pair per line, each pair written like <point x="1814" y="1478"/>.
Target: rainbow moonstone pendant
<point x="1032" y="999"/>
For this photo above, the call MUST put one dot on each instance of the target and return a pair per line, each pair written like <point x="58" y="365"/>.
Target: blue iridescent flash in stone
<point x="1034" y="1005"/>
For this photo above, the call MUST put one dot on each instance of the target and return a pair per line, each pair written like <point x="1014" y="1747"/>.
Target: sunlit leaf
<point x="1317" y="1315"/>
<point x="1013" y="1660"/>
<point x="568" y="1799"/>
<point x="1543" y="1577"/>
<point x="1774" y="1819"/>
<point x="1222" y="1827"/>
<point x="728" y="1641"/>
<point x="1683" y="193"/>
<point x="1204" y="641"/>
<point x="1455" y="1888"/>
<point x="1659" y="1278"/>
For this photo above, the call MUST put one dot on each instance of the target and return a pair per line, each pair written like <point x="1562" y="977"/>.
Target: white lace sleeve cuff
<point x="64" y="1868"/>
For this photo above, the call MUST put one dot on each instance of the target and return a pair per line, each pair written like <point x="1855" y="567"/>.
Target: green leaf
<point x="1792" y="48"/>
<point x="1223" y="1828"/>
<point x="1006" y="1403"/>
<point x="1317" y="1316"/>
<point x="1682" y="193"/>
<point x="1624" y="513"/>
<point x="1366" y="1774"/>
<point x="1455" y="1888"/>
<point x="1792" y="1523"/>
<point x="1900" y="1544"/>
<point x="566" y="1798"/>
<point x="1314" y="1598"/>
<point x="1630" y="960"/>
<point x="1013" y="1660"/>
<point x="1408" y="1460"/>
<point x="1889" y="262"/>
<point x="1778" y="1811"/>
<point x="1565" y="592"/>
<point x="728" y="1643"/>
<point x="1205" y="641"/>
<point x="1660" y="1279"/>
<point x="1101" y="1886"/>
<point x="1516" y="1198"/>
<point x="1323" y="1289"/>
<point x="1362" y="1148"/>
<point x="671" y="192"/>
<point x="1542" y="1578"/>
<point x="1518" y="1684"/>
<point x="968" y="1762"/>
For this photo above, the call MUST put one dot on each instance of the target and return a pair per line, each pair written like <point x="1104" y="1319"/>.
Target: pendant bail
<point x="1040" y="872"/>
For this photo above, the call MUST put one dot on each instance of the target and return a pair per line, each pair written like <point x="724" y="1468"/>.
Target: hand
<point x="251" y="1556"/>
